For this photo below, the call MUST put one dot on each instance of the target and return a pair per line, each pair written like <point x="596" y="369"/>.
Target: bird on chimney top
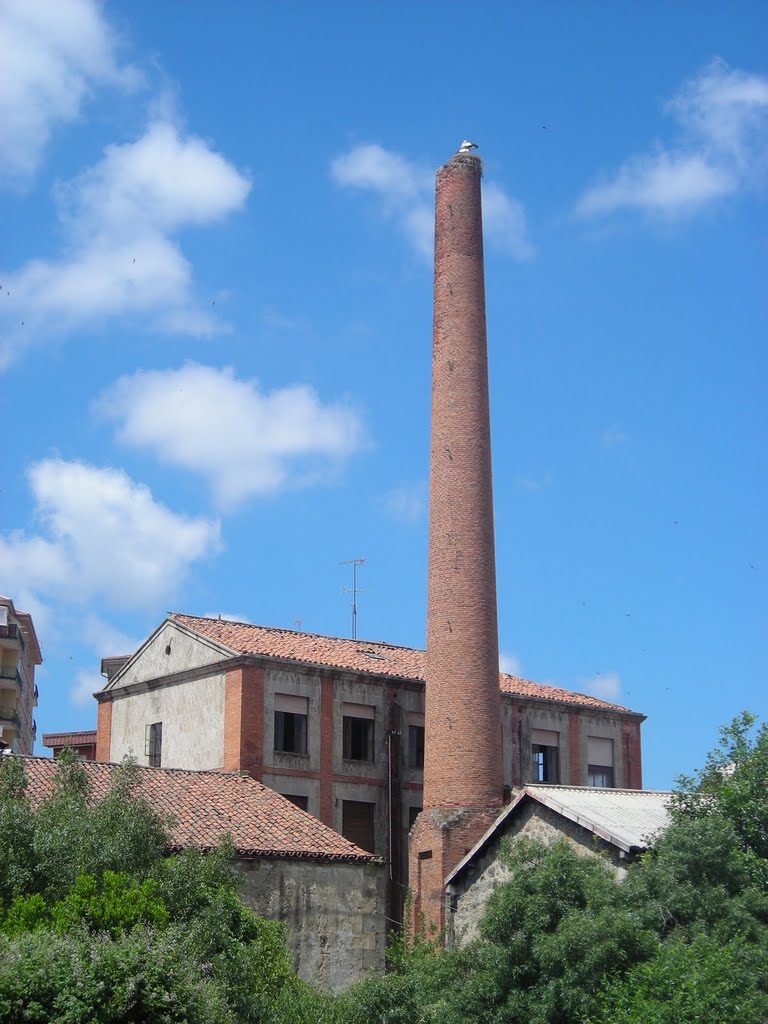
<point x="467" y="146"/>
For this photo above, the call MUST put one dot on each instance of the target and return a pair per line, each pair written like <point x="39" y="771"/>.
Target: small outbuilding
<point x="329" y="893"/>
<point x="616" y="824"/>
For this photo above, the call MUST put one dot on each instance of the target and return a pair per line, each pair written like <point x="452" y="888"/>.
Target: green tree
<point x="98" y="925"/>
<point x="683" y="939"/>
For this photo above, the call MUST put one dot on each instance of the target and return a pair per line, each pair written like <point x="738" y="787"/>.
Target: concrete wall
<point x="333" y="914"/>
<point x="192" y="714"/>
<point x="470" y="893"/>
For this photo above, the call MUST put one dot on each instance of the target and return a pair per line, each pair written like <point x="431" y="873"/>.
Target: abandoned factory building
<point x="336" y="725"/>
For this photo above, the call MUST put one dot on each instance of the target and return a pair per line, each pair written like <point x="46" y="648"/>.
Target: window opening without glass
<point x="358" y="732"/>
<point x="291" y="724"/>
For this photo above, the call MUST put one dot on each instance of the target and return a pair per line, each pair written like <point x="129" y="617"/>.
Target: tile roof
<point x="205" y="806"/>
<point x="626" y="818"/>
<point x="373" y="658"/>
<point x="69" y="739"/>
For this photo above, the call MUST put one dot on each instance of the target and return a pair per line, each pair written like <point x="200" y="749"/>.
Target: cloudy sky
<point x="216" y="330"/>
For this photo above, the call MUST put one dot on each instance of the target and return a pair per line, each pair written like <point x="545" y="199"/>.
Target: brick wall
<point x="244" y="720"/>
<point x="104" y="730"/>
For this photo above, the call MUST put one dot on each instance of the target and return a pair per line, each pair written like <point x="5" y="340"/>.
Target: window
<point x="600" y="762"/>
<point x="300" y="801"/>
<point x="358" y="732"/>
<point x="416" y="741"/>
<point x="413" y="813"/>
<point x="545" y="755"/>
<point x="153" y="744"/>
<point x="291" y="724"/>
<point x="357" y="823"/>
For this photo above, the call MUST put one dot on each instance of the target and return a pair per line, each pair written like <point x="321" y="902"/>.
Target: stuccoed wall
<point x="192" y="714"/>
<point x="155" y="660"/>
<point x="472" y="890"/>
<point x="334" y="914"/>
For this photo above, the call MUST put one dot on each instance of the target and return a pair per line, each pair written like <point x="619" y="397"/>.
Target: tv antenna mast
<point x="353" y="590"/>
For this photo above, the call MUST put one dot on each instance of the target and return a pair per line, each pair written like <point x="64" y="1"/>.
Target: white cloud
<point x="509" y="663"/>
<point x="227" y="616"/>
<point x="120" y="260"/>
<point x="406" y="504"/>
<point x="723" y="148"/>
<point x="54" y="53"/>
<point x="102" y="536"/>
<point x="504" y="222"/>
<point x="106" y="640"/>
<point x="243" y="440"/>
<point x="85" y="685"/>
<point x="605" y="685"/>
<point x="405" y="189"/>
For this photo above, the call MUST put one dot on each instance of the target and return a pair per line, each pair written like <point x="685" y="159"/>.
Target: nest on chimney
<point x="466" y="160"/>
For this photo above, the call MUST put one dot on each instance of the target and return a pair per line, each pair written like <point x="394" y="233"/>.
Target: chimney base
<point x="439" y="839"/>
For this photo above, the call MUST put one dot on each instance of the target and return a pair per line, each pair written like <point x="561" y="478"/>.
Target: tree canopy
<point x="98" y="926"/>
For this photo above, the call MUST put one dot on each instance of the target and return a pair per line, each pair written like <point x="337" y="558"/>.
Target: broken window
<point x="416" y="741"/>
<point x="291" y="723"/>
<point x="358" y="732"/>
<point x="545" y="755"/>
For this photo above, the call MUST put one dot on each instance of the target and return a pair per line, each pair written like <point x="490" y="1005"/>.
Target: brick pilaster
<point x="104" y="730"/>
<point x="244" y="720"/>
<point x="576" y="776"/>
<point x="326" y="750"/>
<point x="633" y="764"/>
<point x="516" y="747"/>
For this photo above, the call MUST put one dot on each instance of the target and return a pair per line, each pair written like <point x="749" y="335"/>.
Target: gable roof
<point x="206" y="806"/>
<point x="371" y="658"/>
<point x="627" y="818"/>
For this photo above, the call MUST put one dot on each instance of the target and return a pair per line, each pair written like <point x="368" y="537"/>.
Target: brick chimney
<point x="463" y="785"/>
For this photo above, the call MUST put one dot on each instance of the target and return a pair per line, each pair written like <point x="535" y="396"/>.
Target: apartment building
<point x="19" y="656"/>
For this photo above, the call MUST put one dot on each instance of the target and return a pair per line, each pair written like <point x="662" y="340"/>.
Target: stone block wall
<point x="333" y="912"/>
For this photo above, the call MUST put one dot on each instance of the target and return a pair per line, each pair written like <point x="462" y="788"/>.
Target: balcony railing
<point x="12" y="673"/>
<point x="8" y="714"/>
<point x="10" y="631"/>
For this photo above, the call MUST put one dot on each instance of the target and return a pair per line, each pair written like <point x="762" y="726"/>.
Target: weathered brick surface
<point x="244" y="720"/>
<point x="438" y="841"/>
<point x="463" y="766"/>
<point x="104" y="730"/>
<point x="633" y="759"/>
<point x="326" y="749"/>
<point x="577" y="776"/>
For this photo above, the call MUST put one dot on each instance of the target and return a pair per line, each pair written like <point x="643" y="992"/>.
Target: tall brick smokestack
<point x="463" y="714"/>
<point x="463" y="781"/>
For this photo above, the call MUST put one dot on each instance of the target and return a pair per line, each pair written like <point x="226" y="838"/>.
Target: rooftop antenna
<point x="354" y="562"/>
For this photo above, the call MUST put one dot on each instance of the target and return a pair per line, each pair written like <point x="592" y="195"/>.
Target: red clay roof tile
<point x="359" y="656"/>
<point x="206" y="806"/>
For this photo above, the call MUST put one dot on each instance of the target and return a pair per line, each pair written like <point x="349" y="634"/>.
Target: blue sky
<point x="216" y="331"/>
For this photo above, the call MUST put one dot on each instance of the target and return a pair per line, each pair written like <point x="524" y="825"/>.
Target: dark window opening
<point x="413" y="813"/>
<point x="357" y="823"/>
<point x="358" y="739"/>
<point x="290" y="732"/>
<point x="600" y="776"/>
<point x="546" y="763"/>
<point x="153" y="744"/>
<point x="416" y="746"/>
<point x="300" y="801"/>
